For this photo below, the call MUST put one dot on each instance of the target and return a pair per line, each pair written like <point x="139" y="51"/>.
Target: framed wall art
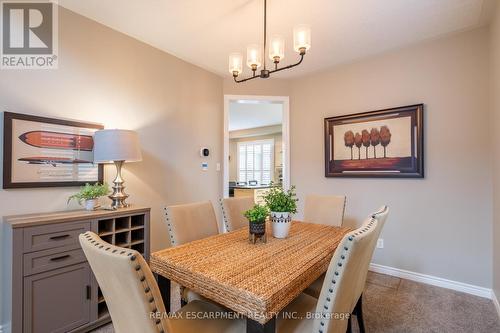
<point x="46" y="152"/>
<point x="386" y="143"/>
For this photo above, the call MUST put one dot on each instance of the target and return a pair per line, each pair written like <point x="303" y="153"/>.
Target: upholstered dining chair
<point x="342" y="290"/>
<point x="187" y="223"/>
<point x="323" y="209"/>
<point x="232" y="212"/>
<point x="133" y="298"/>
<point x="190" y="222"/>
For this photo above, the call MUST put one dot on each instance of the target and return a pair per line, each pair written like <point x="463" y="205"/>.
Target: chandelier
<point x="301" y="43"/>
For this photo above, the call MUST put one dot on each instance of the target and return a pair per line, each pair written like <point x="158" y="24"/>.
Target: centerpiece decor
<point x="90" y="194"/>
<point x="282" y="204"/>
<point x="257" y="223"/>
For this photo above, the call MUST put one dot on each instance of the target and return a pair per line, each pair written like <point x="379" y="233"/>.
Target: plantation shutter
<point x="256" y="161"/>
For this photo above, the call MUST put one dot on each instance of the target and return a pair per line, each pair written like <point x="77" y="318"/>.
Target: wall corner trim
<point x="495" y="301"/>
<point x="435" y="281"/>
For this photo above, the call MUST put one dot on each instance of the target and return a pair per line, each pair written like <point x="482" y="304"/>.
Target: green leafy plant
<point x="280" y="200"/>
<point x="257" y="214"/>
<point x="89" y="192"/>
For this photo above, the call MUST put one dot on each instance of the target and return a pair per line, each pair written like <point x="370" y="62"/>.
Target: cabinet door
<point x="57" y="301"/>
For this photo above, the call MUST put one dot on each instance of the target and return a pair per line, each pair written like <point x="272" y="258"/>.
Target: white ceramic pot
<point x="281" y="222"/>
<point x="91" y="204"/>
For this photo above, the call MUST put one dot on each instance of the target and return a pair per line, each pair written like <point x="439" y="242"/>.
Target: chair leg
<point x="349" y="327"/>
<point x="358" y="311"/>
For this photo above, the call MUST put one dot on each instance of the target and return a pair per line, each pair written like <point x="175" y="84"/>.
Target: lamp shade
<point x="116" y="145"/>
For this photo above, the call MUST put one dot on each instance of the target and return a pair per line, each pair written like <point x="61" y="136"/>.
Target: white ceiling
<point x="245" y="115"/>
<point x="205" y="32"/>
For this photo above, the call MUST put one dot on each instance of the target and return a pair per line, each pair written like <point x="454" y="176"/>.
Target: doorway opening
<point x="256" y="145"/>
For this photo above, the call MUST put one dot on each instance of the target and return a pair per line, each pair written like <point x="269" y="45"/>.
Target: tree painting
<point x="374" y="140"/>
<point x="358" y="141"/>
<point x="365" y="136"/>
<point x="385" y="138"/>
<point x="349" y="140"/>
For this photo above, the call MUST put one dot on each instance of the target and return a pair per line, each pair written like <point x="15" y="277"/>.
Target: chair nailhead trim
<point x="138" y="267"/>
<point x="151" y="299"/>
<point x="146" y="290"/>
<point x="132" y="258"/>
<point x="143" y="278"/>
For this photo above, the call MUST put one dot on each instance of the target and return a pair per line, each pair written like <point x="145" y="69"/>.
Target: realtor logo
<point x="29" y="35"/>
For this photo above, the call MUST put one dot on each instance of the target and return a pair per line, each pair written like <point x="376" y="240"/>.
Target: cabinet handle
<point x="88" y="291"/>
<point x="59" y="237"/>
<point x="60" y="257"/>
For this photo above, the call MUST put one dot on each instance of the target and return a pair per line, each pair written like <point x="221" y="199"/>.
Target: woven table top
<point x="254" y="280"/>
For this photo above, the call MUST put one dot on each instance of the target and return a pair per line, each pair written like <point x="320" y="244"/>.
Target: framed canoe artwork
<point x="46" y="152"/>
<point x="386" y="143"/>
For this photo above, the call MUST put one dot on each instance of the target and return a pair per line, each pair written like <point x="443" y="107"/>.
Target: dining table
<point x="254" y="280"/>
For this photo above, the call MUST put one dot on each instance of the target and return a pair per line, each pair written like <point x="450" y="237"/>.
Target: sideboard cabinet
<point x="48" y="281"/>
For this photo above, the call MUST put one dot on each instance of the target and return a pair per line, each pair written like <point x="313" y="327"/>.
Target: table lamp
<point x="117" y="146"/>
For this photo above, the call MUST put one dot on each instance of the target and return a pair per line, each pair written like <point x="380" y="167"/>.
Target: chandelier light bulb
<point x="235" y="64"/>
<point x="302" y="38"/>
<point x="277" y="48"/>
<point x="254" y="56"/>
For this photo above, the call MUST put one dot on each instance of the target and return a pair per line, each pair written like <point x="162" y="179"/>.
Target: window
<point x="256" y="161"/>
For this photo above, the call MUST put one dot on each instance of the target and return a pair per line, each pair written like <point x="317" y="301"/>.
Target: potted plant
<point x="282" y="204"/>
<point x="257" y="222"/>
<point x="90" y="194"/>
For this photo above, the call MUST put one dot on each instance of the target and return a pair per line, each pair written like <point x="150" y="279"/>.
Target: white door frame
<point x="286" y="135"/>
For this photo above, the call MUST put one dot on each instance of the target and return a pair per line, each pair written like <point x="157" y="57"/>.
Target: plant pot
<point x="256" y="232"/>
<point x="91" y="204"/>
<point x="281" y="222"/>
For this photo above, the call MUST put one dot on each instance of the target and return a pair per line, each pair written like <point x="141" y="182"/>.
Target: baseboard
<point x="434" y="281"/>
<point x="495" y="301"/>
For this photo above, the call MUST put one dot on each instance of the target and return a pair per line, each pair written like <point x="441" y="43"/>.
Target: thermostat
<point x="204" y="152"/>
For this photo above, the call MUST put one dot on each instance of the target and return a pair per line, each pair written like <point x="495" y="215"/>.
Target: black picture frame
<point x="376" y="167"/>
<point x="8" y="118"/>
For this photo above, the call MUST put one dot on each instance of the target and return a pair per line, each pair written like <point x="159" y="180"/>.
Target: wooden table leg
<point x="164" y="286"/>
<point x="255" y="327"/>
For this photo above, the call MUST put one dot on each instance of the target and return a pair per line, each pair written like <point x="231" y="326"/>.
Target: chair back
<point x="325" y="209"/>
<point x="232" y="212"/>
<point x="190" y="222"/>
<point x="128" y="286"/>
<point x="346" y="276"/>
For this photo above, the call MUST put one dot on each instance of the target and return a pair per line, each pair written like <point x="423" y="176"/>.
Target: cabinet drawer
<point x="53" y="235"/>
<point x="42" y="261"/>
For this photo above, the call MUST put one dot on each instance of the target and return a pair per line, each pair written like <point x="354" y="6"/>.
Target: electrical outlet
<point x="380" y="243"/>
<point x="217" y="167"/>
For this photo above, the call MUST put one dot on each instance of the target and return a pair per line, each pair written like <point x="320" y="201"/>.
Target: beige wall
<point x="107" y="77"/>
<point x="495" y="121"/>
<point x="438" y="225"/>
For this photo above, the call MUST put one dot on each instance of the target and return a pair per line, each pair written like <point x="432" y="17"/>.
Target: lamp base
<point x="118" y="196"/>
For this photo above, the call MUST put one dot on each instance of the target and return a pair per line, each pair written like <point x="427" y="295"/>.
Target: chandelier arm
<point x="243" y="80"/>
<point x="289" y="66"/>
